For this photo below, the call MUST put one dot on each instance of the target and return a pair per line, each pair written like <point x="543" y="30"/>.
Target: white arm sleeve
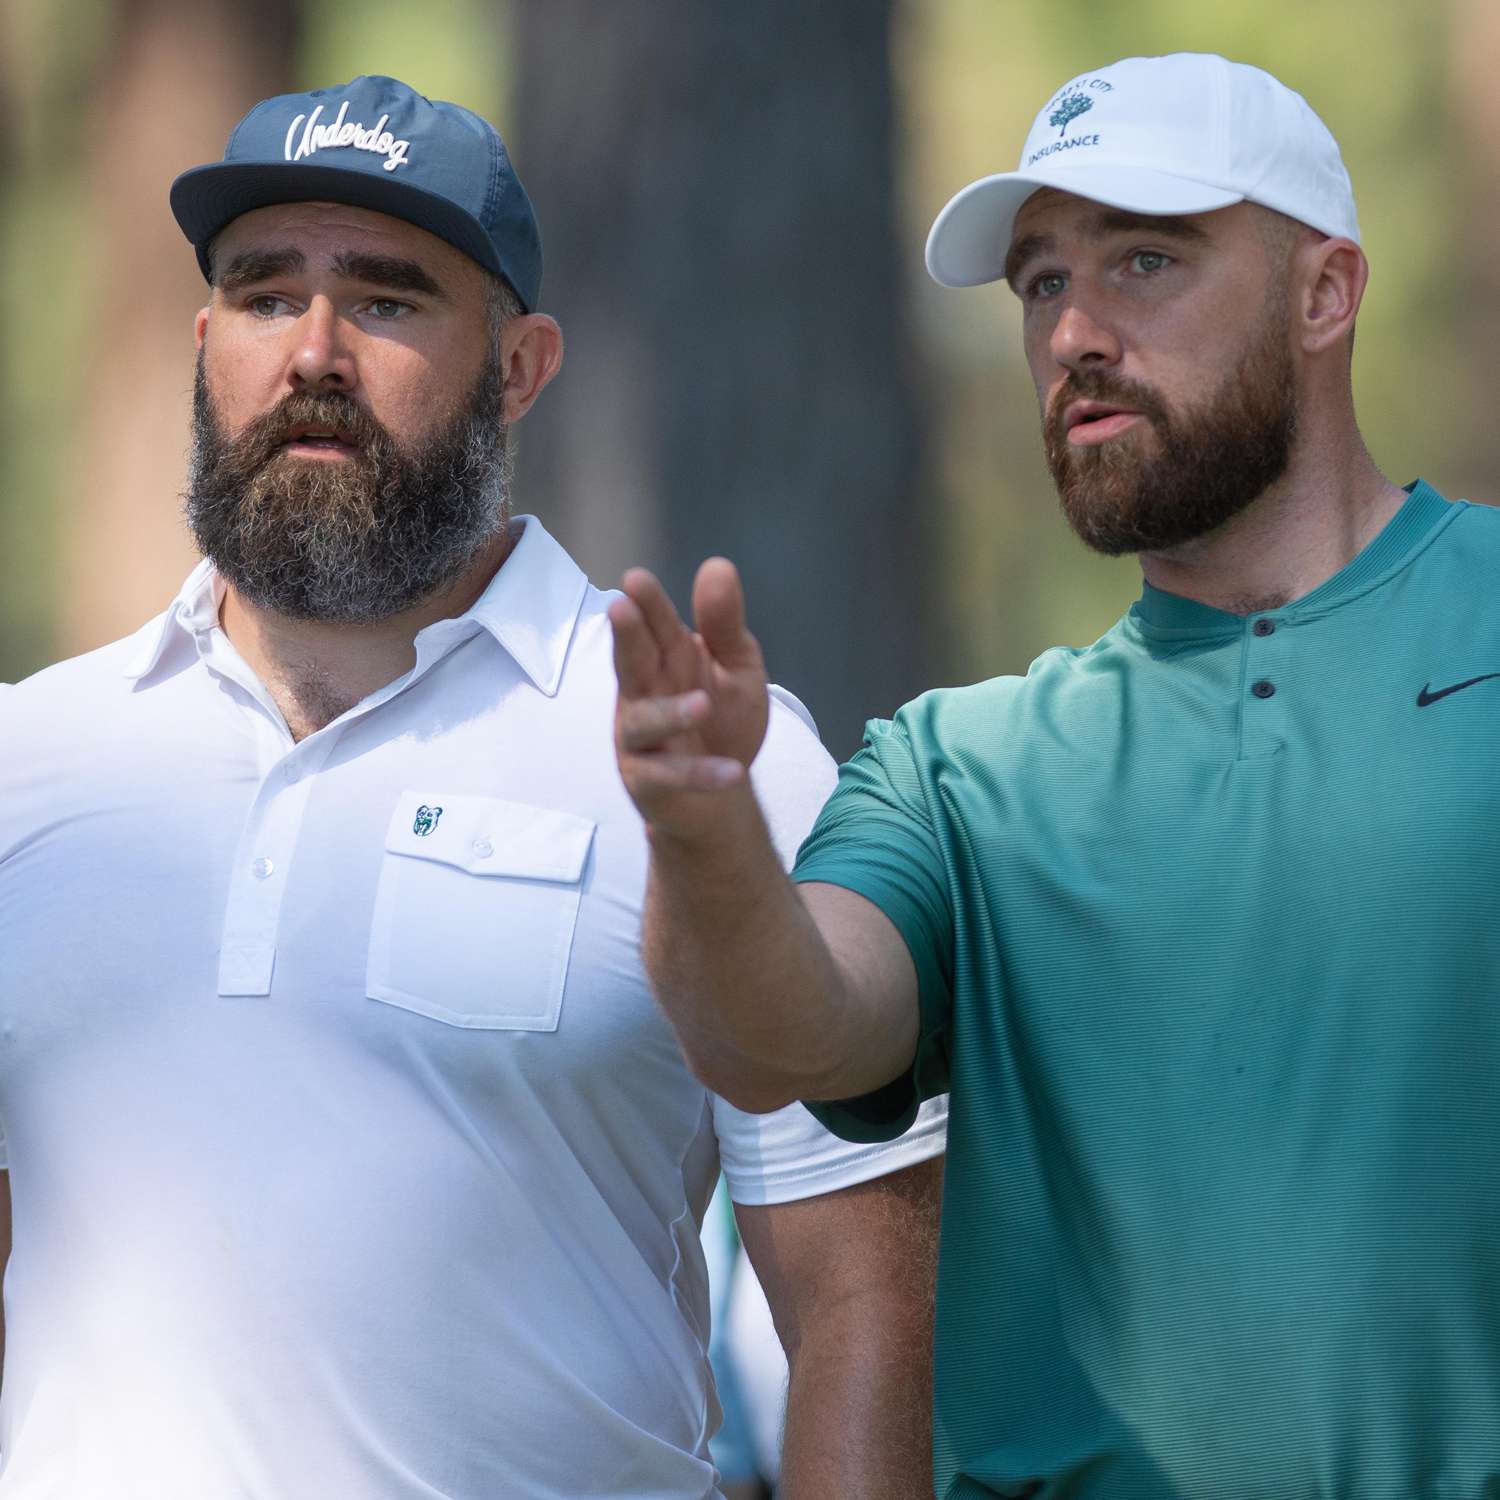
<point x="785" y="1155"/>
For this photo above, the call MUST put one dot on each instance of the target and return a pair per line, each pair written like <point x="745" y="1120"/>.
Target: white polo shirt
<point x="350" y="1156"/>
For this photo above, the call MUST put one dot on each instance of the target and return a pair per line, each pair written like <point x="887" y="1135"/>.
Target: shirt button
<point x="292" y="775"/>
<point x="1264" y="626"/>
<point x="262" y="868"/>
<point x="1265" y="688"/>
<point x="482" y="848"/>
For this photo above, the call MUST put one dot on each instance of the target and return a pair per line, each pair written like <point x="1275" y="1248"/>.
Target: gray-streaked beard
<point x="348" y="542"/>
<point x="1211" y="460"/>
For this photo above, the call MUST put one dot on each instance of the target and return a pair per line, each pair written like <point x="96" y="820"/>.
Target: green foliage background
<point x="971" y="73"/>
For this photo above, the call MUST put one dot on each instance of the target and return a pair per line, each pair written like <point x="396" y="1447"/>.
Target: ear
<point x="531" y="352"/>
<point x="200" y="327"/>
<point x="1334" y="275"/>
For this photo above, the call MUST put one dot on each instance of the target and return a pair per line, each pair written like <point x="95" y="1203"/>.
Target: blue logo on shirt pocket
<point x="426" y="820"/>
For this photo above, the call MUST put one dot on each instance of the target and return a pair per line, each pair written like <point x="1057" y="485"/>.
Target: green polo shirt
<point x="1206" y="919"/>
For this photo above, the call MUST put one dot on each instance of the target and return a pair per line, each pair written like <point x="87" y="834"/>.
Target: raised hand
<point x="692" y="708"/>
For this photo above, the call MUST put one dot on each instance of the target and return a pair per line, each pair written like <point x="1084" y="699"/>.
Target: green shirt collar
<point x="1156" y="611"/>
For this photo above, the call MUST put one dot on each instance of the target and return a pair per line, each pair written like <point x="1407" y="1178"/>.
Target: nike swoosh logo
<point x="1427" y="696"/>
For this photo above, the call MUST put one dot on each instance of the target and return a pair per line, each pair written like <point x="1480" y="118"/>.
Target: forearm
<point x="859" y="1404"/>
<point x="761" y="1008"/>
<point x="857" y="1426"/>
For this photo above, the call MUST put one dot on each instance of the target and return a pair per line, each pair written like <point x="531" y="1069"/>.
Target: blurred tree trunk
<point x="715" y="188"/>
<point x="177" y="76"/>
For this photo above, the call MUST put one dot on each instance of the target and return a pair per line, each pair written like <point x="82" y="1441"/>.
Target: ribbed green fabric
<point x="1215" y="978"/>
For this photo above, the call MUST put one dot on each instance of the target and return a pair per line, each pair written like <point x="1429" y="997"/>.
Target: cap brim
<point x="971" y="236"/>
<point x="205" y="199"/>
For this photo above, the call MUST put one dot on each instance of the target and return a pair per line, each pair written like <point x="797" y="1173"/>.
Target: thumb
<point x="719" y="615"/>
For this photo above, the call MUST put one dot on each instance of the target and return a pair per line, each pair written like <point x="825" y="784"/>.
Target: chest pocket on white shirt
<point x="475" y="910"/>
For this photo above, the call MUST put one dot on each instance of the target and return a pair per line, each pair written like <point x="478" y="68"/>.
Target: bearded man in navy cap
<point x="348" y="1152"/>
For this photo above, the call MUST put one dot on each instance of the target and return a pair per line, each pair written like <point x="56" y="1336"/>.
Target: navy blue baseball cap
<point x="374" y="143"/>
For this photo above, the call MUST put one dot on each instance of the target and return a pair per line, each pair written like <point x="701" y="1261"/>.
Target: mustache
<point x="1102" y="385"/>
<point x="262" y="437"/>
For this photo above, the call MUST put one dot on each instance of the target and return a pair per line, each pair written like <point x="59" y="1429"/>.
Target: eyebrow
<point x="1097" y="226"/>
<point x="392" y="272"/>
<point x="250" y="266"/>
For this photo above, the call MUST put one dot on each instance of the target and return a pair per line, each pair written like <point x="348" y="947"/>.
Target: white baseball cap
<point x="1156" y="135"/>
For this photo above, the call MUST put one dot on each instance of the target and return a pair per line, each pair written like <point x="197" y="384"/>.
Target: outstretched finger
<point x="719" y="614"/>
<point x="649" y="776"/>
<point x="638" y="664"/>
<point x="644" y="589"/>
<point x="646" y="724"/>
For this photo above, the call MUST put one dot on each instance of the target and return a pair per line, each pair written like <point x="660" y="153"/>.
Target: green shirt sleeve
<point x="875" y="836"/>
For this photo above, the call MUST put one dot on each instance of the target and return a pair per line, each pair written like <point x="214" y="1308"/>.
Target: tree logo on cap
<point x="1069" y="107"/>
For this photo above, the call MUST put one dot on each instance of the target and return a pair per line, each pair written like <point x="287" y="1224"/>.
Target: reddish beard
<point x="1176" y="475"/>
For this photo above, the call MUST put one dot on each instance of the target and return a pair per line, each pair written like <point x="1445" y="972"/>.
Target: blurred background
<point x="733" y="200"/>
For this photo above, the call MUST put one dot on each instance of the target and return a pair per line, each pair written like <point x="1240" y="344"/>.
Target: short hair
<point x="501" y="302"/>
<point x="1278" y="233"/>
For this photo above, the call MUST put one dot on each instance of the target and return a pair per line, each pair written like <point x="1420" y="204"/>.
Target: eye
<point x="1148" y="262"/>
<point x="386" y="309"/>
<point x="1048" y="284"/>
<point x="264" y="305"/>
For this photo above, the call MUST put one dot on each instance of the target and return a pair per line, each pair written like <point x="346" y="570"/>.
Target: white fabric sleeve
<point x="785" y="1155"/>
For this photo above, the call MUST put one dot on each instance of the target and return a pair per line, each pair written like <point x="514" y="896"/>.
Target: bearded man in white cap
<point x="1200" y="925"/>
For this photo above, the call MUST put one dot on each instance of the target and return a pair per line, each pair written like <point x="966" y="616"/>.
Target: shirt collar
<point x="530" y="607"/>
<point x="1389" y="550"/>
<point x="195" y="609"/>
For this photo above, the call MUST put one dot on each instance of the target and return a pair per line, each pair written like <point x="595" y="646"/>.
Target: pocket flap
<point x="489" y="836"/>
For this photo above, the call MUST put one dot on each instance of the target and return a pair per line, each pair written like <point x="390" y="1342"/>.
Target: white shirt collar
<point x="530" y="608"/>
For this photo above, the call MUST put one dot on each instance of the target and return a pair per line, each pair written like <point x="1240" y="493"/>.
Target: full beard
<point x="1207" y="464"/>
<point x="354" y="540"/>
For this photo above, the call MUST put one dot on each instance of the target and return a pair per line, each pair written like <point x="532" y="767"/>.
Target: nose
<point x="321" y="359"/>
<point x="1081" y="338"/>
